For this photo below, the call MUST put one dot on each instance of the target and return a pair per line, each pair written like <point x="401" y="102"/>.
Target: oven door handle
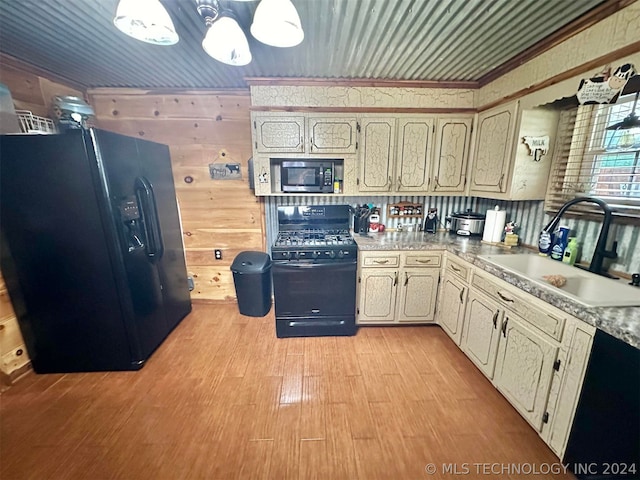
<point x="294" y="266"/>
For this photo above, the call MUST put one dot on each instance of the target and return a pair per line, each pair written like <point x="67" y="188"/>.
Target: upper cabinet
<point x="430" y="157"/>
<point x="274" y="133"/>
<point x="493" y="148"/>
<point x="504" y="166"/>
<point x="282" y="132"/>
<point x="333" y="134"/>
<point x="414" y="154"/>
<point x="453" y="139"/>
<point x="377" y="154"/>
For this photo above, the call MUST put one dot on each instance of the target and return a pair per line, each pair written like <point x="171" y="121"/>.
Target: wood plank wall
<point x="200" y="128"/>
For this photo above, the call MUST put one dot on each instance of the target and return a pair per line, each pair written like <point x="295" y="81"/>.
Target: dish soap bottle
<point x="571" y="251"/>
<point x="560" y="243"/>
<point x="544" y="243"/>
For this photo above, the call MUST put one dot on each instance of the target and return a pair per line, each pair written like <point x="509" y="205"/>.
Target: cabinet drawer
<point x="533" y="311"/>
<point x="422" y="260"/>
<point x="380" y="260"/>
<point x="457" y="267"/>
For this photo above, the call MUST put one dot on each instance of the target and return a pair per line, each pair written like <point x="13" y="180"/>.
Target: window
<point x="591" y="160"/>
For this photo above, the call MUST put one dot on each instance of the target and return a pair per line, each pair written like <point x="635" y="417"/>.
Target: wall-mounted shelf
<point x="405" y="210"/>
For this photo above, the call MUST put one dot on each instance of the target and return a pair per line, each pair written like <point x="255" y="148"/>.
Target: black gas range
<point x="314" y="271"/>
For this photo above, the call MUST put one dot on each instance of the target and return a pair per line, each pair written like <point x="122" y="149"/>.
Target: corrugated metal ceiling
<point x="447" y="40"/>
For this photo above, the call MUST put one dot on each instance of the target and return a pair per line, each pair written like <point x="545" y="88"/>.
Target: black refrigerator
<point x="91" y="248"/>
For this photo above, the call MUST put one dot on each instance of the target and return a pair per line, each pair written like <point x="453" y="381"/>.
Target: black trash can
<point x="252" y="278"/>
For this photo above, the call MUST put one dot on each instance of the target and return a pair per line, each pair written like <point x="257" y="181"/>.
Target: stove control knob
<point x="340" y="254"/>
<point x="332" y="254"/>
<point x="285" y="254"/>
<point x="315" y="254"/>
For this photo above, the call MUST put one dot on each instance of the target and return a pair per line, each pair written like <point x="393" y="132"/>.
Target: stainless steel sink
<point x="584" y="287"/>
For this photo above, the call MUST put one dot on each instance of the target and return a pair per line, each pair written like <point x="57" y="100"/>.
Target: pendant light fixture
<point x="277" y="23"/>
<point x="146" y="20"/>
<point x="224" y="41"/>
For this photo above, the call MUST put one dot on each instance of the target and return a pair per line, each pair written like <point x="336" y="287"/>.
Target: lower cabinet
<point x="398" y="287"/>
<point x="417" y="294"/>
<point x="535" y="354"/>
<point x="481" y="331"/>
<point x="453" y="299"/>
<point x="524" y="368"/>
<point x="377" y="301"/>
<point x="568" y="377"/>
<point x="454" y="289"/>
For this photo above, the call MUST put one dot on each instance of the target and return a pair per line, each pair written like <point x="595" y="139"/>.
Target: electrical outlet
<point x="218" y="254"/>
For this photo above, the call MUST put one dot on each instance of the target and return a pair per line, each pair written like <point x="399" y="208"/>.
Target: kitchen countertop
<point x="620" y="322"/>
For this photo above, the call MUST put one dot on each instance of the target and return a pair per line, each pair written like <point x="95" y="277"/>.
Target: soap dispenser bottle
<point x="545" y="241"/>
<point x="571" y="251"/>
<point x="560" y="243"/>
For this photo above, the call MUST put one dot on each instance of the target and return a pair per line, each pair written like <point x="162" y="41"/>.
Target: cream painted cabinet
<point x="453" y="301"/>
<point x="413" y="158"/>
<point x="493" y="148"/>
<point x="524" y="368"/>
<point x="503" y="165"/>
<point x="452" y="143"/>
<point x="377" y="301"/>
<point x="275" y="133"/>
<point x="377" y="286"/>
<point x="453" y="296"/>
<point x="278" y="132"/>
<point x="377" y="154"/>
<point x="566" y="385"/>
<point x="481" y="331"/>
<point x="334" y="134"/>
<point x="398" y="287"/>
<point x="418" y="293"/>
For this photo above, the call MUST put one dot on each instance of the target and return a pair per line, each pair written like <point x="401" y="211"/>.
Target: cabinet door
<point x="377" y="295"/>
<point x="332" y="135"/>
<point x="481" y="331"/>
<point x="493" y="149"/>
<point x="417" y="295"/>
<point x="453" y="136"/>
<point x="414" y="154"/>
<point x="453" y="299"/>
<point x="524" y="369"/>
<point x="568" y="380"/>
<point x="377" y="154"/>
<point x="279" y="134"/>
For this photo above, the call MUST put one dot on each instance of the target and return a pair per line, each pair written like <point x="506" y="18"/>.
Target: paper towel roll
<point x="494" y="223"/>
<point x="489" y="223"/>
<point x="500" y="221"/>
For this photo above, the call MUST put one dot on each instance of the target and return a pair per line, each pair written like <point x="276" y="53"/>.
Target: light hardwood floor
<point x="223" y="398"/>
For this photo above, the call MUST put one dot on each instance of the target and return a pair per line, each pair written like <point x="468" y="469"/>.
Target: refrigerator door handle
<point x="147" y="201"/>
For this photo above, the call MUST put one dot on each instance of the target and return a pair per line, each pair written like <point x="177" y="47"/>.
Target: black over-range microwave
<point x="307" y="176"/>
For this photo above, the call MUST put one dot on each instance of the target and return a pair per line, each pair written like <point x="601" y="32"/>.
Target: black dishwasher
<point x="605" y="438"/>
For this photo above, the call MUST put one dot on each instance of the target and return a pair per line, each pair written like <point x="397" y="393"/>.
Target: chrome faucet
<point x="601" y="251"/>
